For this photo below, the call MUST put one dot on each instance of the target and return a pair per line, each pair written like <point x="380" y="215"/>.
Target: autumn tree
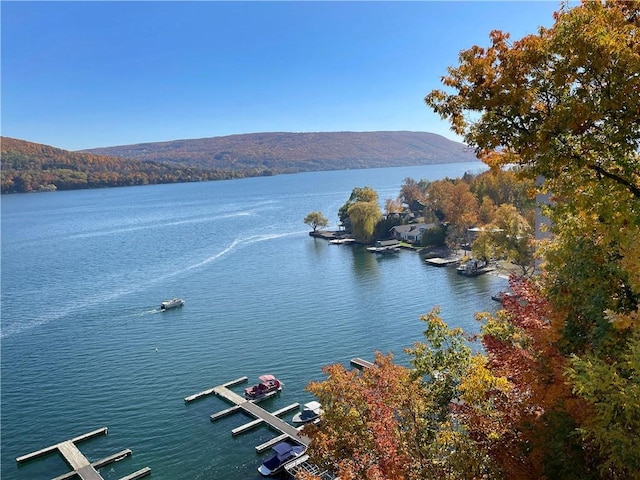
<point x="316" y="220"/>
<point x="564" y="104"/>
<point x="413" y="191"/>
<point x="392" y="206"/>
<point x="504" y="186"/>
<point x="361" y="435"/>
<point x="361" y="213"/>
<point x="394" y="422"/>
<point x="452" y="202"/>
<point x="486" y="211"/>
<point x="510" y="237"/>
<point x="358" y="194"/>
<point x="436" y="196"/>
<point x="517" y="404"/>
<point x="364" y="216"/>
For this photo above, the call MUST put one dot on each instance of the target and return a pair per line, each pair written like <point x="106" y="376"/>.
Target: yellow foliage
<point x="623" y="321"/>
<point x="479" y="381"/>
<point x="630" y="262"/>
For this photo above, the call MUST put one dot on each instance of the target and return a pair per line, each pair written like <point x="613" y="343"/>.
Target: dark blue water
<point x="85" y="346"/>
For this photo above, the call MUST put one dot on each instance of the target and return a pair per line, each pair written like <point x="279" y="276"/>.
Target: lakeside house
<point x="411" y="233"/>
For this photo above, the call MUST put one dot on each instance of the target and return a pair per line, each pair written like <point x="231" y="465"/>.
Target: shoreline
<point x="502" y="271"/>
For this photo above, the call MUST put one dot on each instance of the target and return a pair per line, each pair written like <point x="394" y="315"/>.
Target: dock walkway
<point x="260" y="413"/>
<point x="80" y="465"/>
<point x="361" y="363"/>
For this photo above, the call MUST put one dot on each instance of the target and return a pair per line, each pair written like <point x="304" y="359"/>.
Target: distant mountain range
<point x="28" y="166"/>
<point x="282" y="151"/>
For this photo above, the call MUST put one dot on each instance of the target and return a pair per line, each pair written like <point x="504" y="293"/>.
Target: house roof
<point x="413" y="226"/>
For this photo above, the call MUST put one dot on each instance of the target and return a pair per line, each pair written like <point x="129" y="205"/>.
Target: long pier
<point x="80" y="465"/>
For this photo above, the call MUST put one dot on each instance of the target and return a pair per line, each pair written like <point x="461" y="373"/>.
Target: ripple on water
<point x="84" y="346"/>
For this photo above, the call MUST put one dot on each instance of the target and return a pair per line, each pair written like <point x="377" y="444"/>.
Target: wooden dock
<point x="259" y="421"/>
<point x="210" y="391"/>
<point x="442" y="262"/>
<point x="249" y="406"/>
<point x="260" y="413"/>
<point x="80" y="465"/>
<point x="360" y="363"/>
<point x="270" y="443"/>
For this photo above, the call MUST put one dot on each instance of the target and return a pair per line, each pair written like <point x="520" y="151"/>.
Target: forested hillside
<point x="301" y="151"/>
<point x="30" y="167"/>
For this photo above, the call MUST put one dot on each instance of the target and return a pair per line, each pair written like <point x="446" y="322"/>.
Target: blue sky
<point x="80" y="75"/>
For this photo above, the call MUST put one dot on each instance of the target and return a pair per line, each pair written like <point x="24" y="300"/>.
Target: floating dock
<point x="259" y="421"/>
<point x="250" y="407"/>
<point x="262" y="415"/>
<point x="442" y="262"/>
<point x="361" y="364"/>
<point x="210" y="391"/>
<point x="80" y="465"/>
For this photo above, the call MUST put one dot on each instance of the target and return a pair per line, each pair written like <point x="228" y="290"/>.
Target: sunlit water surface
<point x="84" y="344"/>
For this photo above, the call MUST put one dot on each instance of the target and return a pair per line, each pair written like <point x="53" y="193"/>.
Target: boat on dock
<point x="283" y="453"/>
<point x="474" y="267"/>
<point x="268" y="384"/>
<point x="310" y="412"/>
<point x="385" y="247"/>
<point x="341" y="241"/>
<point x="384" y="250"/>
<point x="173" y="303"/>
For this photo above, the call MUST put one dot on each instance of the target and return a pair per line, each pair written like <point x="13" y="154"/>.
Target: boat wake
<point x="148" y="312"/>
<point x="92" y="301"/>
<point x="165" y="224"/>
<point x="236" y="243"/>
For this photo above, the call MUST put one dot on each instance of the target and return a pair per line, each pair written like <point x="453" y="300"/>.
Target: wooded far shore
<point x="33" y="167"/>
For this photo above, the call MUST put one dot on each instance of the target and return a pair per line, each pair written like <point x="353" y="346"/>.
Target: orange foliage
<point x="525" y="418"/>
<point x="365" y="432"/>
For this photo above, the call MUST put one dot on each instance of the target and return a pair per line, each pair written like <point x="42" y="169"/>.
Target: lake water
<point x="84" y="344"/>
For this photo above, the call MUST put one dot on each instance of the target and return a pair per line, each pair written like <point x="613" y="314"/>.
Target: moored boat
<point x="283" y="453"/>
<point x="473" y="268"/>
<point x="341" y="241"/>
<point x="310" y="411"/>
<point x="385" y="247"/>
<point x="501" y="295"/>
<point x="268" y="384"/>
<point x="173" y="303"/>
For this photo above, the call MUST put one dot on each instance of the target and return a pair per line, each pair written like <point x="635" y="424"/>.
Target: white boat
<point x="473" y="268"/>
<point x="341" y="241"/>
<point x="310" y="411"/>
<point x="173" y="303"/>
